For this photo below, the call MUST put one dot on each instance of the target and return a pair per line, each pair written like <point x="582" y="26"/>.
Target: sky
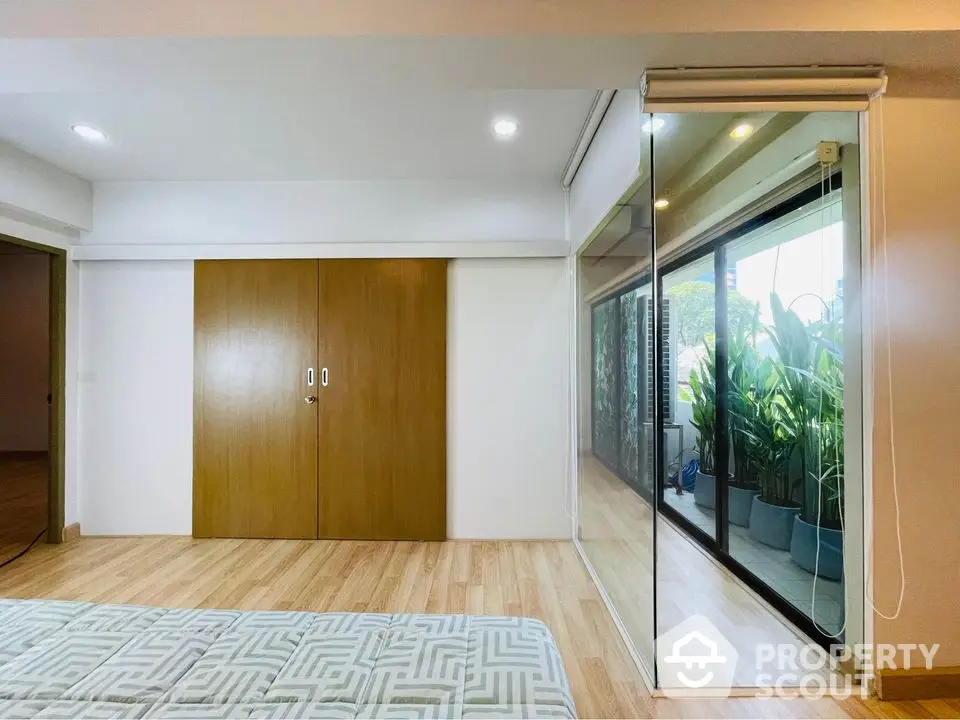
<point x="811" y="263"/>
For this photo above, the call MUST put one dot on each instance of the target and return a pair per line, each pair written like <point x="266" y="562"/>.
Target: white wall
<point x="24" y="352"/>
<point x="42" y="191"/>
<point x="508" y="386"/>
<point x="136" y="398"/>
<point x="507" y="406"/>
<point x="610" y="166"/>
<point x="278" y="213"/>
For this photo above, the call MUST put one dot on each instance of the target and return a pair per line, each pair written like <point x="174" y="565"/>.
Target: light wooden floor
<point x="23" y="500"/>
<point x="617" y="536"/>
<point x="539" y="579"/>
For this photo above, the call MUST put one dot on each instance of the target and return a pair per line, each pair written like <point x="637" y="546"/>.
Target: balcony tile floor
<point x="774" y="567"/>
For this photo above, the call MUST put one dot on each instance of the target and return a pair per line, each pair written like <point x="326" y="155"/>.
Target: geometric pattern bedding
<point x="77" y="659"/>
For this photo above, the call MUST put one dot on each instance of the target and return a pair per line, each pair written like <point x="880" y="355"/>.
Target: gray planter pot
<point x="803" y="549"/>
<point x="771" y="524"/>
<point x="705" y="491"/>
<point x="741" y="502"/>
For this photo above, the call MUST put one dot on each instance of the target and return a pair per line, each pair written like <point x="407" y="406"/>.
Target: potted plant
<point x="778" y="430"/>
<point x="771" y="441"/>
<point x="704" y="406"/>
<point x="743" y="361"/>
<point x="817" y="541"/>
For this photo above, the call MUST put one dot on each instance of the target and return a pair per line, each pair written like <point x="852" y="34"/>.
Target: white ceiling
<point x="282" y="110"/>
<point x="363" y="107"/>
<point x="505" y="62"/>
<point x="259" y="132"/>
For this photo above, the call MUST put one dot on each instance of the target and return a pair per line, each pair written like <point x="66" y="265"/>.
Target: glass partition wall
<point x="757" y="235"/>
<point x="617" y="436"/>
<point x="719" y="387"/>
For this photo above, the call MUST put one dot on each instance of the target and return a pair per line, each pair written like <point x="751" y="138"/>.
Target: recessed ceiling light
<point x="89" y="133"/>
<point x="505" y="128"/>
<point x="653" y="125"/>
<point x="742" y="131"/>
<point x="661" y="203"/>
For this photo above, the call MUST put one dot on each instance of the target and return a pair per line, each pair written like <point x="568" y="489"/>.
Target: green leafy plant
<point x="824" y="478"/>
<point x="771" y="434"/>
<point x="810" y="379"/>
<point x="704" y="391"/>
<point x="793" y="345"/>
<point x="785" y="412"/>
<point x="742" y="367"/>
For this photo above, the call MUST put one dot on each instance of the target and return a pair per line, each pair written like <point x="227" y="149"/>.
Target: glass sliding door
<point x="689" y="486"/>
<point x="617" y="428"/>
<point x="788" y="352"/>
<point x="757" y="237"/>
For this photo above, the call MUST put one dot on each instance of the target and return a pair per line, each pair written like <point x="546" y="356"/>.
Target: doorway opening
<point x="32" y="292"/>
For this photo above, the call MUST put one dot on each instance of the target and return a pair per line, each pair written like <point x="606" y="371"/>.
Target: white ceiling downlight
<point x="661" y="203"/>
<point x="742" y="131"/>
<point x="505" y="128"/>
<point x="90" y="133"/>
<point x="653" y="125"/>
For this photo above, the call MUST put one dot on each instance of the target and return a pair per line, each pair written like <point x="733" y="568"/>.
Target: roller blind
<point x="767" y="89"/>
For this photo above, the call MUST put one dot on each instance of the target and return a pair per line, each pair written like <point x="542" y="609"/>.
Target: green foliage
<point x="604" y="373"/>
<point x="770" y="433"/>
<point x="704" y="391"/>
<point x="785" y="411"/>
<point x="823" y="449"/>
<point x="693" y="313"/>
<point x="810" y="371"/>
<point x="742" y="368"/>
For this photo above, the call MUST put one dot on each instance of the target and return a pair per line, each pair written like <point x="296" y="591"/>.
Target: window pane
<point x="689" y="337"/>
<point x="785" y="314"/>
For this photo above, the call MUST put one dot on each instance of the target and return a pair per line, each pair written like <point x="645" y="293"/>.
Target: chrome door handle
<point x="309" y="377"/>
<point x="310" y="399"/>
<point x="324" y="377"/>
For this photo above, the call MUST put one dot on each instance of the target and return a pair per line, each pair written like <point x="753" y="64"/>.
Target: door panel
<point x="255" y="437"/>
<point x="382" y="427"/>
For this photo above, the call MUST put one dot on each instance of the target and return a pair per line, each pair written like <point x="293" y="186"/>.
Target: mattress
<point x="77" y="659"/>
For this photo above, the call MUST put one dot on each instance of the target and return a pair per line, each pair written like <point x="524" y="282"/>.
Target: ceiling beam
<point x="341" y="18"/>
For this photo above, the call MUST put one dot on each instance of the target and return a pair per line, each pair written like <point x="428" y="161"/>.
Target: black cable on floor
<point x="24" y="551"/>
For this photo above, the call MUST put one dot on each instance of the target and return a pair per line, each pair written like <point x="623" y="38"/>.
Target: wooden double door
<point x="320" y="399"/>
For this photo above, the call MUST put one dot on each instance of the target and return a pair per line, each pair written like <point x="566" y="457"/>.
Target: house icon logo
<point x="695" y="659"/>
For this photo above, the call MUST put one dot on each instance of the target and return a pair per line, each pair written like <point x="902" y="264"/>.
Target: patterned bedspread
<point x="76" y="659"/>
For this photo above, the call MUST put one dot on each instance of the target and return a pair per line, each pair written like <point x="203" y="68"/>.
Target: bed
<point x="76" y="659"/>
